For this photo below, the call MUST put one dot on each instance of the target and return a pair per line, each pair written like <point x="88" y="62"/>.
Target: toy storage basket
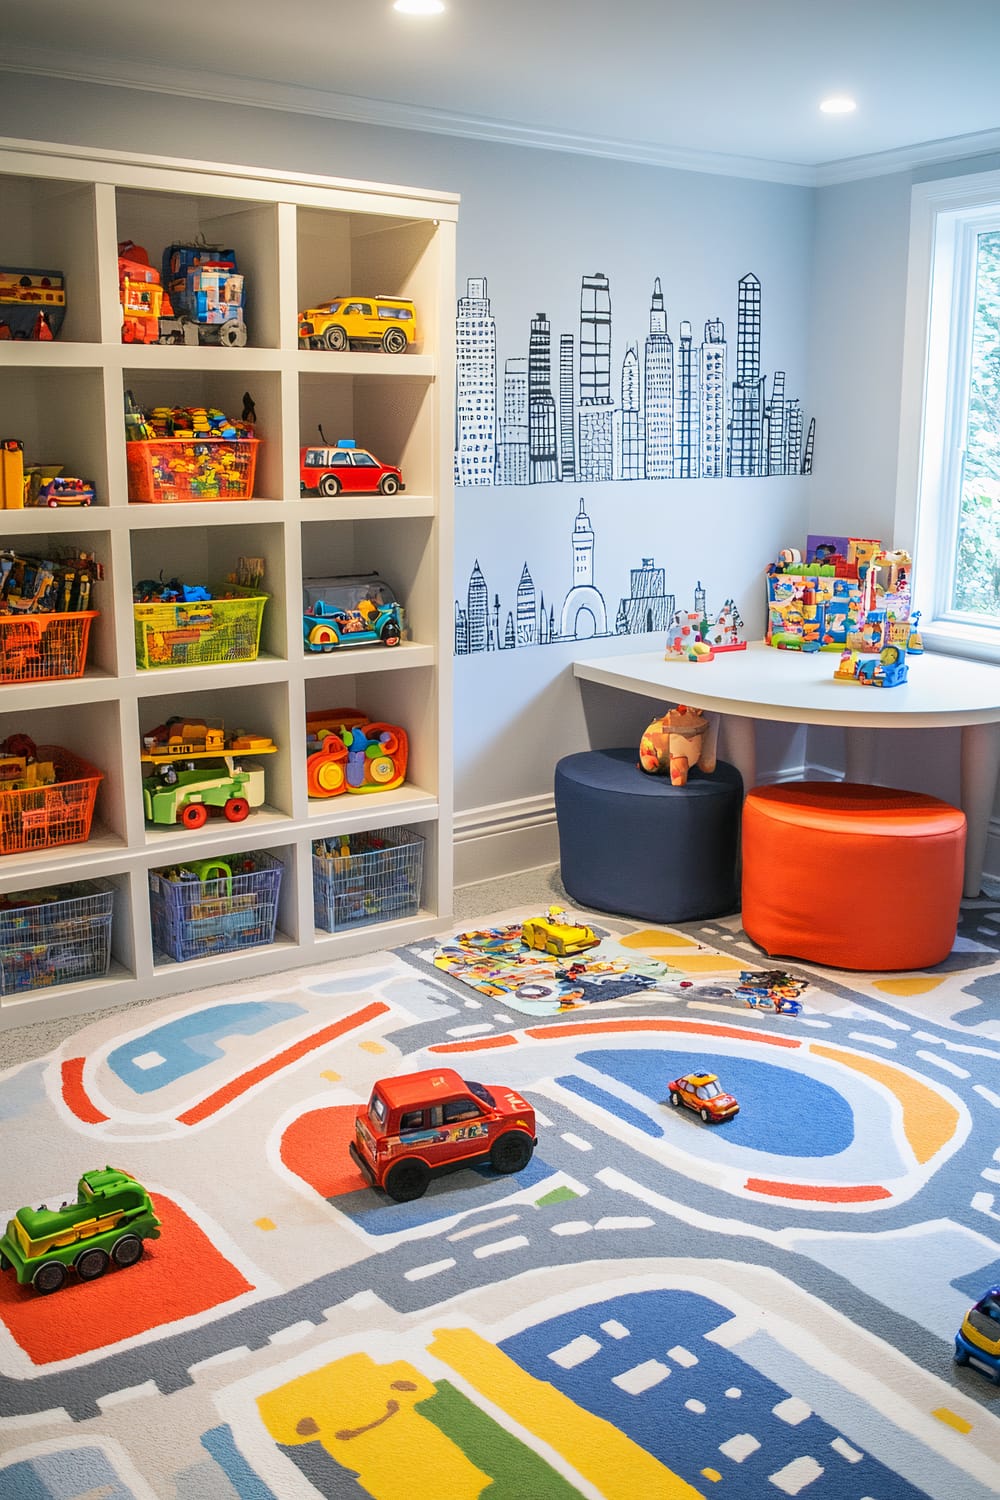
<point x="194" y="635"/>
<point x="40" y="648"/>
<point x="378" y="880"/>
<point x="166" y="470"/>
<point x="55" y="937"/>
<point x="198" y="918"/>
<point x="60" y="813"/>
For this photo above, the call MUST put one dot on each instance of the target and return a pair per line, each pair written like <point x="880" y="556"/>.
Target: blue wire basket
<point x="56" y="936"/>
<point x="365" y="878"/>
<point x="195" y="918"/>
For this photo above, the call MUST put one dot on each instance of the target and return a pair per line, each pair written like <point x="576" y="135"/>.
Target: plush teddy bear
<point x="683" y="738"/>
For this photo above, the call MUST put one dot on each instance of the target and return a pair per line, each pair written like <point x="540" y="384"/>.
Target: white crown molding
<point x="908" y="158"/>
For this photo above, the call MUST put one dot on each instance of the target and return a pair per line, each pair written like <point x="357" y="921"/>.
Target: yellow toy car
<point x="389" y="322"/>
<point x="555" y="937"/>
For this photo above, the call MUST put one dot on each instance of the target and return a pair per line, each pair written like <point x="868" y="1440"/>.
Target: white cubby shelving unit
<point x="298" y="239"/>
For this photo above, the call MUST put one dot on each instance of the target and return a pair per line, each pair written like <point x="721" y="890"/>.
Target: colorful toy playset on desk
<point x="692" y="636"/>
<point x="32" y="303"/>
<point x="192" y="767"/>
<point x="347" y="752"/>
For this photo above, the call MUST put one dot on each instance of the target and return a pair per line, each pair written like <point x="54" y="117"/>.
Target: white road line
<point x="469" y="1030"/>
<point x="131" y="1393"/>
<point x="622" y="1222"/>
<point x="293" y="1332"/>
<point x="502" y="1247"/>
<point x="943" y="1064"/>
<point x="577" y="1141"/>
<point x="432" y="1268"/>
<point x="987" y="1094"/>
<point x="875" y="1041"/>
<point x="465" y="1234"/>
<point x="572" y="1226"/>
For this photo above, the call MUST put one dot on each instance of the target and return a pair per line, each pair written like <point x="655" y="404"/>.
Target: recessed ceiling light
<point x="838" y="104"/>
<point x="419" y="7"/>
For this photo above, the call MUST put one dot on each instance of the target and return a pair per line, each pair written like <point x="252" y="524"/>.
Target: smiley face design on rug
<point x="365" y="1416"/>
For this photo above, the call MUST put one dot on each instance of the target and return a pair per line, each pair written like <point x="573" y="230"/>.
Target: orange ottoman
<point x="855" y="877"/>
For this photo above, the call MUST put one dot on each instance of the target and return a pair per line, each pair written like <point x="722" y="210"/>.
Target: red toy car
<point x="703" y="1093"/>
<point x="346" y="468"/>
<point x="420" y="1124"/>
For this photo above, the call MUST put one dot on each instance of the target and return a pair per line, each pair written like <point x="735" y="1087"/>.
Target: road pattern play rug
<point x="652" y="1309"/>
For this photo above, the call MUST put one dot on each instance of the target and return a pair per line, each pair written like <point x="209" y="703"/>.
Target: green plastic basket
<point x="197" y="634"/>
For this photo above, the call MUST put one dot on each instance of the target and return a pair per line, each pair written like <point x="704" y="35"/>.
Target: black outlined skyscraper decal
<point x="666" y="411"/>
<point x="583" y="611"/>
<point x="543" y="464"/>
<point x="475" y="387"/>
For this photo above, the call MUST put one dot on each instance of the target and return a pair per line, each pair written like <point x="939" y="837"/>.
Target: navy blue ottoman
<point x="632" y="843"/>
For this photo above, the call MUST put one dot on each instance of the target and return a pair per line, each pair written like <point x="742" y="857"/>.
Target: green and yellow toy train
<point x="107" y="1224"/>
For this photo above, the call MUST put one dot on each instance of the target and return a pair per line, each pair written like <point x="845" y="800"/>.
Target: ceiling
<point x="711" y="84"/>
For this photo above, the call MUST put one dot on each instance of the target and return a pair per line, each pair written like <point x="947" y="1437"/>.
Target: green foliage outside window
<point x="977" y="572"/>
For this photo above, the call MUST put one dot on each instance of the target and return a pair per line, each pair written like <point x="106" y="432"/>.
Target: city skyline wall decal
<point x="576" y="609"/>
<point x="568" y="413"/>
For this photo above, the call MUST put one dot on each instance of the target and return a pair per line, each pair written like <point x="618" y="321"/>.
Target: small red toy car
<point x="420" y="1124"/>
<point x="344" y="467"/>
<point x="703" y="1093"/>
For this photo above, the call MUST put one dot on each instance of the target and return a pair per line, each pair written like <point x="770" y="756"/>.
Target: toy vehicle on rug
<point x="349" y="611"/>
<point x="977" y="1342"/>
<point x="703" y="1093"/>
<point x="343" y="468"/>
<point x="386" y="322"/>
<point x="421" y="1124"/>
<point x="553" y="935"/>
<point x="107" y="1224"/>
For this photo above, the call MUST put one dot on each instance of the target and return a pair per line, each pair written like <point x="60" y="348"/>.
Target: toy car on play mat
<point x="349" y="611"/>
<point x="977" y="1342"/>
<point x="421" y="1124"/>
<point x="106" y="1225"/>
<point x="558" y="938"/>
<point x="389" y="323"/>
<point x="344" y="468"/>
<point x="703" y="1093"/>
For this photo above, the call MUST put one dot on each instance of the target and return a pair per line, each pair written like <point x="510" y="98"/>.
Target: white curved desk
<point x="764" y="683"/>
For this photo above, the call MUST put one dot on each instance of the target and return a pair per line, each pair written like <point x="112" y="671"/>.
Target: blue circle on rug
<point x="782" y="1110"/>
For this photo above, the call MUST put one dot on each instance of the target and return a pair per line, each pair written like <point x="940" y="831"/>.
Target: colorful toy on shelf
<point x="552" y="934"/>
<point x="346" y="752"/>
<point x="32" y="303"/>
<point x="209" y="906"/>
<point x="682" y="738"/>
<point x="355" y="610"/>
<point x="55" y="935"/>
<point x="977" y="1341"/>
<point x="60" y="584"/>
<point x="112" y="1216"/>
<point x="21" y="769"/>
<point x="389" y="323"/>
<point x="703" y="1093"/>
<point x="181" y="624"/>
<point x="418" y="1125"/>
<point x="12" y="483"/>
<point x="773" y="989"/>
<point x="63" y="490"/>
<point x="207" y="292"/>
<point x="193" y="767"/>
<point x="344" y="468"/>
<point x="141" y="294"/>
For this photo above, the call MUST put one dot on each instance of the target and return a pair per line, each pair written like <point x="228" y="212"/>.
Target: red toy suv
<point x="423" y="1123"/>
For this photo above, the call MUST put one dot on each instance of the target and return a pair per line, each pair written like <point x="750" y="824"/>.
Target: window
<point x="948" y="499"/>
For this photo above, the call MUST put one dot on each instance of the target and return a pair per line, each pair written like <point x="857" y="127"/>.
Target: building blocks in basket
<point x="703" y="1093"/>
<point x="554" y="935"/>
<point x="32" y="303"/>
<point x="355" y="610"/>
<point x="346" y="752"/>
<point x="332" y="469"/>
<point x="683" y="737"/>
<point x="977" y="1341"/>
<point x="376" y="322"/>
<point x="207" y="291"/>
<point x="193" y="767"/>
<point x="418" y="1125"/>
<point x="112" y="1216"/>
<point x="176" y="453"/>
<point x="55" y="936"/>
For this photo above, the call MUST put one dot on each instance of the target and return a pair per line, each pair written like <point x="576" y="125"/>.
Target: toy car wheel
<point x="389" y="484"/>
<point x="705" y="1116"/>
<point x="394" y="341"/>
<point x="335" y="338"/>
<point x="127" y="1250"/>
<point x="232" y="334"/>
<point x="49" y="1277"/>
<point x="236" y="809"/>
<point x="90" y="1264"/>
<point x="511" y="1152"/>
<point x="961" y="1355"/>
<point x="675" y="1099"/>
<point x="329" y="486"/>
<point x="194" y="815"/>
<point x="390" y="634"/>
<point x="408" y="1180"/>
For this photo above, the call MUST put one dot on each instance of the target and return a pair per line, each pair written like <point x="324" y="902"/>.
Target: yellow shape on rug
<point x="929" y="1121"/>
<point x="656" y="937"/>
<point x="599" y="1453"/>
<point x="914" y="984"/>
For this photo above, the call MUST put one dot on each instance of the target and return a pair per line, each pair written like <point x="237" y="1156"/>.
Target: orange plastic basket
<point x="164" y="471"/>
<point x="41" y="648"/>
<point x="60" y="813"/>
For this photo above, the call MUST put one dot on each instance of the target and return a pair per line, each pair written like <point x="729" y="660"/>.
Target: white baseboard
<point x="507" y="837"/>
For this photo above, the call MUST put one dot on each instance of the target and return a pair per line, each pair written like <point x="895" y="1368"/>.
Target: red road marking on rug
<point x="180" y="1274"/>
<point x="855" y="1193"/>
<point x="708" y="1028"/>
<point x="482" y="1045"/>
<point x="246" y="1081"/>
<point x="315" y="1148"/>
<point x="75" y="1096"/>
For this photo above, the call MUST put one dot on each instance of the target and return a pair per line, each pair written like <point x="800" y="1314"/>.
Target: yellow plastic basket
<point x="198" y="634"/>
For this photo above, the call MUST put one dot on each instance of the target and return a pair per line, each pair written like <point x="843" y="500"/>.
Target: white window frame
<point x="945" y="218"/>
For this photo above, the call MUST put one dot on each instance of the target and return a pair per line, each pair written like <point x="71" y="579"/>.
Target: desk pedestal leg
<point x="739" y="747"/>
<point x="859" y="756"/>
<point x="980" y="763"/>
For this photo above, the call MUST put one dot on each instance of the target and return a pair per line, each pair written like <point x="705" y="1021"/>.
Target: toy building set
<point x="192" y="767"/>
<point x="693" y="636"/>
<point x="189" y="453"/>
<point x="32" y="303"/>
<point x="187" y="625"/>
